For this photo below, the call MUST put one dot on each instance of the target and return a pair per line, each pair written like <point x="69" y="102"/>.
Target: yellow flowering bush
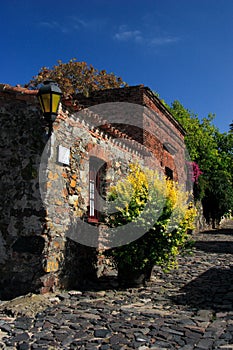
<point x="139" y="191"/>
<point x="160" y="208"/>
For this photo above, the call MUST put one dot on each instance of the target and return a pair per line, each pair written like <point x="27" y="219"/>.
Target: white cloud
<point x="163" y="41"/>
<point x="125" y="34"/>
<point x="53" y="25"/>
<point x="70" y="24"/>
<point x="77" y="23"/>
<point x="50" y="25"/>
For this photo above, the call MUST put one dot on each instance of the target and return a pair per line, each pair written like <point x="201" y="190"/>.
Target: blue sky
<point x="182" y="49"/>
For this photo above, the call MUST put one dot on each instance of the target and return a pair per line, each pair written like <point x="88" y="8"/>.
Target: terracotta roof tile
<point x="18" y="88"/>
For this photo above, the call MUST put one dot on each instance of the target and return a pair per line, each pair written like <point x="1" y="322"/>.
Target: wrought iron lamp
<point x="49" y="96"/>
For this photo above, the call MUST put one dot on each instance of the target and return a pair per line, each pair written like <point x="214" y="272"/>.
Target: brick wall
<point x="153" y="125"/>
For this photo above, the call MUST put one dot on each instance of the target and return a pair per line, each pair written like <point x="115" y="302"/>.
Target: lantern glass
<point x="49" y="96"/>
<point x="45" y="103"/>
<point x="55" y="103"/>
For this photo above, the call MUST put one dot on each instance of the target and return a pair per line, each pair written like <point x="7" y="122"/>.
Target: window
<point x="168" y="173"/>
<point x="97" y="168"/>
<point x="169" y="148"/>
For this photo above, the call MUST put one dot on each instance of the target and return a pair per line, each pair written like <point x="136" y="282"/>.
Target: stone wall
<point x="46" y="240"/>
<point x="71" y="253"/>
<point x="22" y="213"/>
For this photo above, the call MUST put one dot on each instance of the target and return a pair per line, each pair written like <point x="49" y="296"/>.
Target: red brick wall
<point x="153" y="128"/>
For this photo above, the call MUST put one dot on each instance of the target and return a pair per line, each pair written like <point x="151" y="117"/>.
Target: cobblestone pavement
<point x="188" y="308"/>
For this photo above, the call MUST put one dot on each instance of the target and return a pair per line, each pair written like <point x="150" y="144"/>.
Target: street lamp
<point x="49" y="96"/>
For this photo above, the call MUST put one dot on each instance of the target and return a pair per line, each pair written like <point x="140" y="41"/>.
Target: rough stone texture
<point x="36" y="253"/>
<point x="189" y="308"/>
<point x="26" y="305"/>
<point x="22" y="211"/>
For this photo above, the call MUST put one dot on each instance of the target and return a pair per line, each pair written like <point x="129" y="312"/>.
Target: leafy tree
<point x="213" y="152"/>
<point x="77" y="77"/>
<point x="231" y="127"/>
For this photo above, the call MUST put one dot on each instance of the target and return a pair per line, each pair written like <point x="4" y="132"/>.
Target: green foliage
<point x="231" y="127"/>
<point x="157" y="206"/>
<point x="213" y="152"/>
<point x="218" y="199"/>
<point x="77" y="77"/>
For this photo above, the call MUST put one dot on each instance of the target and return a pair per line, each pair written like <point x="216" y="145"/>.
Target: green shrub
<point x="160" y="209"/>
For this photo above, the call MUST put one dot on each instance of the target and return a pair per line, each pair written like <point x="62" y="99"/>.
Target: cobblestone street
<point x="189" y="308"/>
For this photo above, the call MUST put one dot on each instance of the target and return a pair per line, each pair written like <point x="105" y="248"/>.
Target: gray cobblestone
<point x="187" y="309"/>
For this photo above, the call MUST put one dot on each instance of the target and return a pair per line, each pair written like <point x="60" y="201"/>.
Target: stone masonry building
<point x="53" y="189"/>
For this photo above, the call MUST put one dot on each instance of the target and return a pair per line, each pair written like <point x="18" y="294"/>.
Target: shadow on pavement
<point x="222" y="231"/>
<point x="221" y="247"/>
<point x="211" y="290"/>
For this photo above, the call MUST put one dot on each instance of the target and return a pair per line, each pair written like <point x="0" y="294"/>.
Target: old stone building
<point x="53" y="189"/>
